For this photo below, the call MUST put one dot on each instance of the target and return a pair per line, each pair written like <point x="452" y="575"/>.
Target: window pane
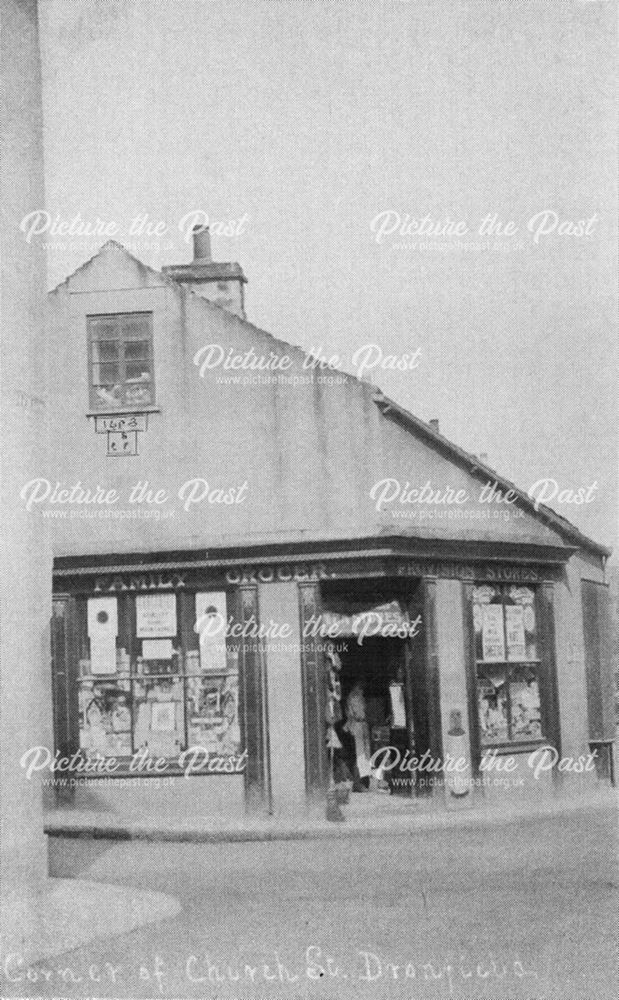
<point x="159" y="716"/>
<point x="138" y="371"/>
<point x="105" y="374"/>
<point x="212" y="706"/>
<point x="136" y="326"/>
<point x="105" y="350"/>
<point x="103" y="328"/>
<point x="137" y="350"/>
<point x="492" y="701"/>
<point x="525" y="704"/>
<point x="211" y="618"/>
<point x="105" y="718"/>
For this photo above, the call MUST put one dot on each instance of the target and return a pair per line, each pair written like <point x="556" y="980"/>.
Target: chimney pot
<point x="434" y="425"/>
<point x="201" y="243"/>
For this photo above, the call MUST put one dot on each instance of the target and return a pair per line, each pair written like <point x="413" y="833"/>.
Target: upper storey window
<point x="121" y="361"/>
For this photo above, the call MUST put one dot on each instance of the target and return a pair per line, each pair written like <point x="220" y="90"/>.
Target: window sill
<point x="124" y="411"/>
<point x="508" y="663"/>
<point x="524" y="746"/>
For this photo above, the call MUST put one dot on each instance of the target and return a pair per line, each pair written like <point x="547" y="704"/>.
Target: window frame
<point x="188" y="641"/>
<point x="96" y="406"/>
<point x="539" y="664"/>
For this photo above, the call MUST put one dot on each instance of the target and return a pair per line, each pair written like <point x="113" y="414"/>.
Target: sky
<point x="313" y="132"/>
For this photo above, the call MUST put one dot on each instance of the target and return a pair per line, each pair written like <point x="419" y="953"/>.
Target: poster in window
<point x="514" y="627"/>
<point x="102" y="631"/>
<point x="398" y="709"/>
<point x="155" y="616"/>
<point x="103" y="655"/>
<point x="211" y="620"/>
<point x="493" y="641"/>
<point x="157" y="649"/>
<point x="102" y="617"/>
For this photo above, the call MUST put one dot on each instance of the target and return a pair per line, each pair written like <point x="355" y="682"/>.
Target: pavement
<point x="524" y="910"/>
<point x="367" y="815"/>
<point x="60" y="914"/>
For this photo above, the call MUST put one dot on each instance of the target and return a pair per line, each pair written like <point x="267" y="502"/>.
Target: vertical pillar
<point x="253" y="705"/>
<point x="471" y="675"/>
<point x="25" y="584"/>
<point x="66" y="737"/>
<point x="454" y="695"/>
<point x="549" y="689"/>
<point x="314" y="698"/>
<point x="565" y="601"/>
<point x="431" y="686"/>
<point x="279" y="603"/>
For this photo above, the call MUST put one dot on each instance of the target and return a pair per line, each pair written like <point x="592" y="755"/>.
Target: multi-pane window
<point x="507" y="664"/>
<point x="121" y="361"/>
<point x="156" y="675"/>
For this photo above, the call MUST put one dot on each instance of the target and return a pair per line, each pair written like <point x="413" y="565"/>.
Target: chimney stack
<point x="201" y="244"/>
<point x="220" y="282"/>
<point x="434" y="425"/>
<point x="483" y="457"/>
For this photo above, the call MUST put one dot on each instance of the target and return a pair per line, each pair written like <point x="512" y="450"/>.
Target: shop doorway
<point x="376" y="727"/>
<point x="376" y="718"/>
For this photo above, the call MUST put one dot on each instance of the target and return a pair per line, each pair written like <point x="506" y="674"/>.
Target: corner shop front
<point x="206" y="679"/>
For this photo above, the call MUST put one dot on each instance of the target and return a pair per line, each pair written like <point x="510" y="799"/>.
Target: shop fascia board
<point x="396" y="548"/>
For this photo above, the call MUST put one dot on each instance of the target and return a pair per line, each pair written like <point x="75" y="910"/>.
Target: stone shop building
<point x="235" y="525"/>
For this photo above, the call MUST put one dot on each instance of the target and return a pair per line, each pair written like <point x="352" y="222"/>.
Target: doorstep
<point x="401" y="819"/>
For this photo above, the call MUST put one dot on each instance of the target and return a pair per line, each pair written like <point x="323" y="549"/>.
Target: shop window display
<point x="507" y="664"/>
<point x="151" y="680"/>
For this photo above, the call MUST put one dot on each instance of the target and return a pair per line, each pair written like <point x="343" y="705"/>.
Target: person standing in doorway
<point x="357" y="726"/>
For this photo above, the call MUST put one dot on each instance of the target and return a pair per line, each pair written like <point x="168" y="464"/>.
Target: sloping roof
<point x="479" y="469"/>
<point x="114" y="244"/>
<point x="388" y="407"/>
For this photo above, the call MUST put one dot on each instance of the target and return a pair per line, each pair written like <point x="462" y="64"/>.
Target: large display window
<point x="157" y="675"/>
<point x="508" y="664"/>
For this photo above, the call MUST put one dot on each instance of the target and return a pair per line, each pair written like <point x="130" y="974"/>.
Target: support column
<point x="66" y="738"/>
<point x="431" y="689"/>
<point x="454" y="696"/>
<point x="25" y="585"/>
<point x="279" y="603"/>
<point x="314" y="698"/>
<point x="253" y="706"/>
